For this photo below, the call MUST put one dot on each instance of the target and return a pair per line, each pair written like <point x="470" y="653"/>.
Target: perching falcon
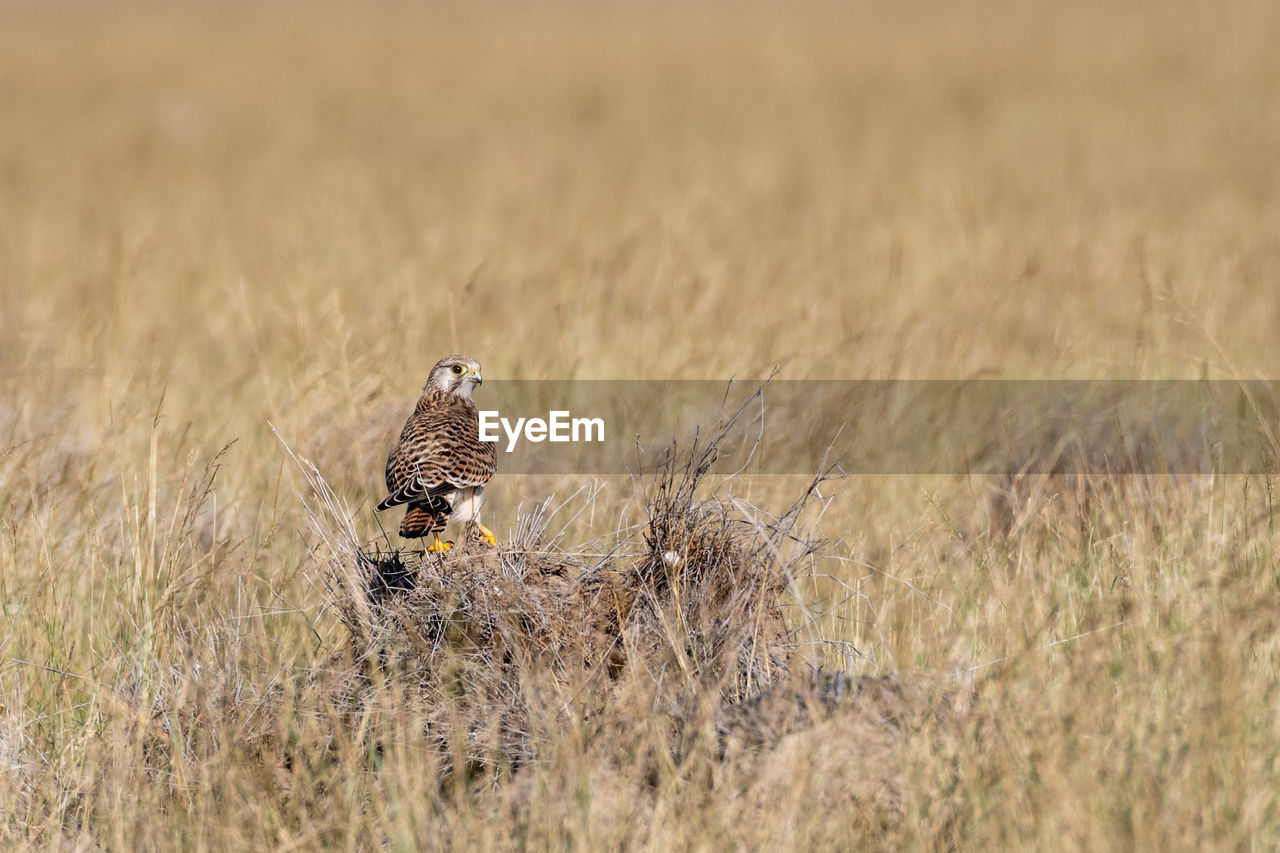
<point x="439" y="466"/>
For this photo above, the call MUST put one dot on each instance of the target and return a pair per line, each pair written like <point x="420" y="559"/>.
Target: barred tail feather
<point x="423" y="519"/>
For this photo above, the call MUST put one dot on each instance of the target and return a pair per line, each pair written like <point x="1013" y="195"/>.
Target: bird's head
<point x="456" y="374"/>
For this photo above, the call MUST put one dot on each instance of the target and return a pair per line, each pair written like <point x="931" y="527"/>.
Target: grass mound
<point x="684" y="615"/>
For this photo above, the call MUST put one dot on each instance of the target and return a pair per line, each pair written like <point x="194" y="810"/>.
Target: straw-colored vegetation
<point x="221" y="218"/>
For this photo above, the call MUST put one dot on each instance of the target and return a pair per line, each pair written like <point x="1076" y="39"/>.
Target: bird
<point x="439" y="467"/>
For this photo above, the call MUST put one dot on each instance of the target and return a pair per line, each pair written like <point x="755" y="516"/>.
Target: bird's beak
<point x="477" y="377"/>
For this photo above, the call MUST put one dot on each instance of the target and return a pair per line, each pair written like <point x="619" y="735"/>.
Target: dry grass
<point x="222" y="217"/>
<point x="514" y="644"/>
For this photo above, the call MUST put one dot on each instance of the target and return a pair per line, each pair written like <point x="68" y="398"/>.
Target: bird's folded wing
<point x="437" y="477"/>
<point x="439" y="451"/>
<point x="431" y="481"/>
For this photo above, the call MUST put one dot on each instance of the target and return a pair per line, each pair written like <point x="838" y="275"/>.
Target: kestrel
<point x="439" y="466"/>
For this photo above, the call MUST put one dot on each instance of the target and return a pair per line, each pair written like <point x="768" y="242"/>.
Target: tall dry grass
<point x="224" y="216"/>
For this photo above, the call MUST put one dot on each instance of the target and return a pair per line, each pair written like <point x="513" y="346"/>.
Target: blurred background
<point x="596" y="189"/>
<point x="274" y="211"/>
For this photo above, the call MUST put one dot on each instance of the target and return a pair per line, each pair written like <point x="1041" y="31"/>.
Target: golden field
<point x="224" y="217"/>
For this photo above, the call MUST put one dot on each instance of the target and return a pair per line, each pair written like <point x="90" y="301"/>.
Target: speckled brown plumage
<point x="440" y="459"/>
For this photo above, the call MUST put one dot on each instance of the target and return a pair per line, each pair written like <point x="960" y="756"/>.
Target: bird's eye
<point x="457" y="368"/>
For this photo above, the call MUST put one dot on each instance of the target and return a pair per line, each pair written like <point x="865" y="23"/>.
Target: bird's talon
<point x="439" y="546"/>
<point x="487" y="535"/>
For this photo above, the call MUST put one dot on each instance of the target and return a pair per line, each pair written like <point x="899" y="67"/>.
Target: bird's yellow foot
<point x="438" y="545"/>
<point x="486" y="534"/>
